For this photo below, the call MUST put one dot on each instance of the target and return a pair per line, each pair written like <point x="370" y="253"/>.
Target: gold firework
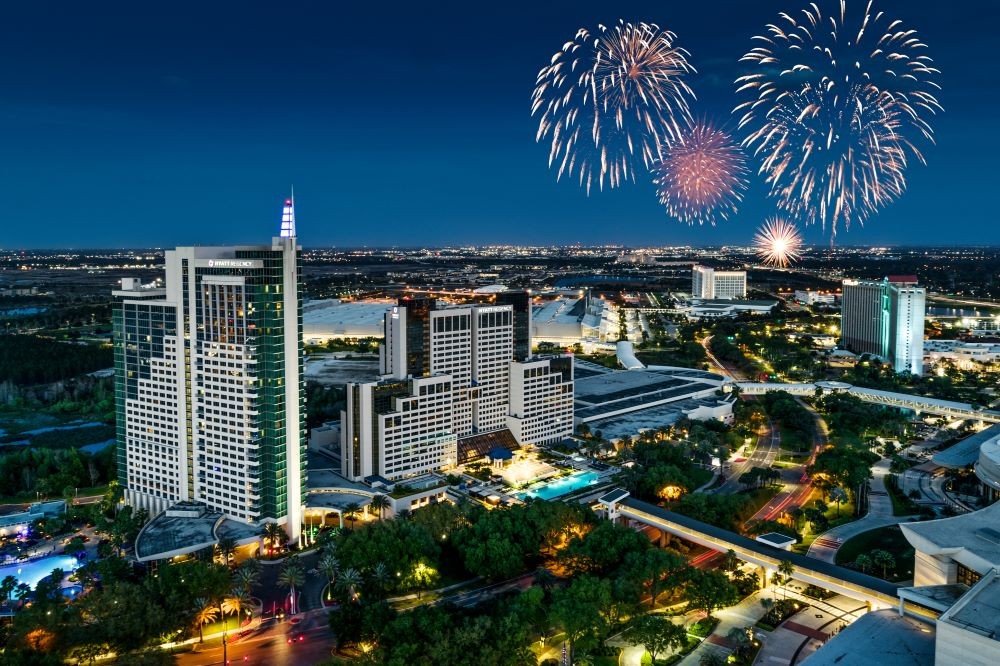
<point x="778" y="243"/>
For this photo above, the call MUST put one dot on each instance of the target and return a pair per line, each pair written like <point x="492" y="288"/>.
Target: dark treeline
<point x="54" y="472"/>
<point x="29" y="359"/>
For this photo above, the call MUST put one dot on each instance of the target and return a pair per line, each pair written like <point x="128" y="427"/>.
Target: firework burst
<point x="702" y="177"/>
<point x="837" y="103"/>
<point x="778" y="243"/>
<point x="610" y="101"/>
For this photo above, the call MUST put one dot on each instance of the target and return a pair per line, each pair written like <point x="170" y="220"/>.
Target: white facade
<point x="963" y="354"/>
<point x="208" y="384"/>
<point x="906" y="328"/>
<point x="398" y="429"/>
<point x="493" y="353"/>
<point x="471" y="349"/>
<point x="810" y="297"/>
<point x="541" y="401"/>
<point x="708" y="283"/>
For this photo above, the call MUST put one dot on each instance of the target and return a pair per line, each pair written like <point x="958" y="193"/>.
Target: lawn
<point x="890" y="539"/>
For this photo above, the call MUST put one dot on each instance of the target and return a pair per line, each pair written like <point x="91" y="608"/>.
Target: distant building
<point x="332" y="318"/>
<point x="885" y="319"/>
<point x="719" y="308"/>
<point x="963" y="354"/>
<point x="709" y="283"/>
<point x="810" y="297"/>
<point x="450" y="375"/>
<point x="210" y="398"/>
<point x="567" y="321"/>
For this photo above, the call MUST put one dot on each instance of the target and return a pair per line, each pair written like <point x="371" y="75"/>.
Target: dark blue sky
<point x="155" y="124"/>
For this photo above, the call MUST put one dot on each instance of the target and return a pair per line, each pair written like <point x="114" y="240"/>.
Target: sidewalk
<point x="744" y="614"/>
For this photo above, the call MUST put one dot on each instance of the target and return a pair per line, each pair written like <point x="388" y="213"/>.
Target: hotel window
<point x="967" y="576"/>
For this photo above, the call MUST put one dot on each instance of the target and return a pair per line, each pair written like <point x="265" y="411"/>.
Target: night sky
<point x="399" y="124"/>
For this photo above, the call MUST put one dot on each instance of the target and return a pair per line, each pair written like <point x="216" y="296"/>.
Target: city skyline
<point x="421" y="135"/>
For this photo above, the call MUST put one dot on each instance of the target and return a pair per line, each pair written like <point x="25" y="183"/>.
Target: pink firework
<point x="702" y="177"/>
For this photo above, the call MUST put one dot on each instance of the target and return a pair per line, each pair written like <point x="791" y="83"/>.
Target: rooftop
<point x="972" y="539"/>
<point x="966" y="451"/>
<point x="333" y="317"/>
<point x="879" y="638"/>
<point x="171" y="535"/>
<point x="979" y="610"/>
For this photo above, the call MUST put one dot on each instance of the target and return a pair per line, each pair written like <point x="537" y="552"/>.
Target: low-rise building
<point x="965" y="355"/>
<point x="960" y="555"/>
<point x="719" y="308"/>
<point x="567" y="321"/>
<point x="811" y="297"/>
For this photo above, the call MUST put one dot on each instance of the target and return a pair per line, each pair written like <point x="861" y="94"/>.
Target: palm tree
<point x="246" y="576"/>
<point x="225" y="549"/>
<point x="380" y="503"/>
<point x="7" y="586"/>
<point x="863" y="563"/>
<point x="204" y="612"/>
<point x="380" y="576"/>
<point x="349" y="581"/>
<point x="273" y="534"/>
<point x="351" y="511"/>
<point x="838" y="495"/>
<point x="292" y="577"/>
<point x="786" y="569"/>
<point x="730" y="561"/>
<point x="884" y="559"/>
<point x="740" y="639"/>
<point x="236" y="603"/>
<point x="330" y="566"/>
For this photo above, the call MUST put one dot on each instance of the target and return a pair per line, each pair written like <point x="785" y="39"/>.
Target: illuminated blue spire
<point x="288" y="217"/>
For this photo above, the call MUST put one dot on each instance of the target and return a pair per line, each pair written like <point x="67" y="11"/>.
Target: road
<point x="736" y="375"/>
<point x="764" y="455"/>
<point x="270" y="646"/>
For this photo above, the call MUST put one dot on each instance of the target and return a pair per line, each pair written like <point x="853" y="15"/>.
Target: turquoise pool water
<point x="32" y="572"/>
<point x="559" y="487"/>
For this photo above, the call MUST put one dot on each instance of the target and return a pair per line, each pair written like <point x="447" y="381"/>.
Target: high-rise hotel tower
<point x="885" y="319"/>
<point x="449" y="375"/>
<point x="209" y="387"/>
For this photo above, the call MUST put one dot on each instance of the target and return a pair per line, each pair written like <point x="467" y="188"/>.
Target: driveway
<point x="879" y="514"/>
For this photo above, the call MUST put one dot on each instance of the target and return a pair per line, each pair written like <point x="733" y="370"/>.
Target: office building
<point x="708" y="283"/>
<point x="208" y="383"/>
<point x="446" y="375"/>
<point x="885" y="319"/>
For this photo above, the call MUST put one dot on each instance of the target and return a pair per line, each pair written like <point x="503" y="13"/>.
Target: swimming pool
<point x="559" y="487"/>
<point x="32" y="572"/>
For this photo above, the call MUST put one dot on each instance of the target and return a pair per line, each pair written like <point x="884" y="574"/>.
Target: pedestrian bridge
<point x="878" y="593"/>
<point x="917" y="403"/>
